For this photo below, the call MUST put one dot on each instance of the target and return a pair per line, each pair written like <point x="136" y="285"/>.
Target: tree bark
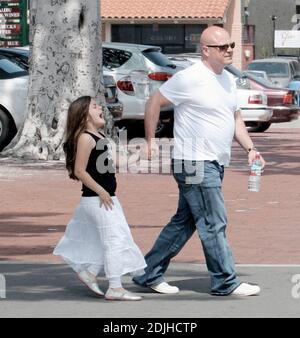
<point x="66" y="63"/>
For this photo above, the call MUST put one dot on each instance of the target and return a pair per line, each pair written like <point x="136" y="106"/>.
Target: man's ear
<point x="204" y="50"/>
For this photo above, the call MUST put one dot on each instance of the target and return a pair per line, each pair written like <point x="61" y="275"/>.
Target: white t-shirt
<point x="204" y="122"/>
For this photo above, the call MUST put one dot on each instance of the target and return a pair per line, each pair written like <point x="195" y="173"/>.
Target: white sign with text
<point x="287" y="39"/>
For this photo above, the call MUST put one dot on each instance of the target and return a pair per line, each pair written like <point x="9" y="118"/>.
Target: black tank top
<point x="101" y="168"/>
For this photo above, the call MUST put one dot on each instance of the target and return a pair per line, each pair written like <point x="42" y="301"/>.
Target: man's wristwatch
<point x="250" y="149"/>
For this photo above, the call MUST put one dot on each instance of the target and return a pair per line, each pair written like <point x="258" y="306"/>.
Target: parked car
<point x="184" y="60"/>
<point x="13" y="92"/>
<point x="18" y="54"/>
<point x="259" y="73"/>
<point x="121" y="61"/>
<point x="253" y="106"/>
<point x="295" y="85"/>
<point x="281" y="71"/>
<point x="128" y="62"/>
<point x="281" y="100"/>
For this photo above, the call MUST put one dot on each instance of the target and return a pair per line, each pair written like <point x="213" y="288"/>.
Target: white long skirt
<point x="100" y="240"/>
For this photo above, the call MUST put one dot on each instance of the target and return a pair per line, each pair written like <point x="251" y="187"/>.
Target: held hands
<point x="251" y="158"/>
<point x="105" y="199"/>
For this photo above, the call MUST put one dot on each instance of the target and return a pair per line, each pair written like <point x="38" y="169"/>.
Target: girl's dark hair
<point x="76" y="125"/>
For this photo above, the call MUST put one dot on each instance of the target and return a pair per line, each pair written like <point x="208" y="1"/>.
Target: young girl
<point x="97" y="237"/>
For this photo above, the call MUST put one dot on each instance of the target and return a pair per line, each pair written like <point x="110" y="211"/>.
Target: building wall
<point x="260" y="13"/>
<point x="233" y="25"/>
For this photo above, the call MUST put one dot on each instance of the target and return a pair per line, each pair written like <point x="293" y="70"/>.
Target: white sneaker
<point x="246" y="289"/>
<point x="164" y="287"/>
<point x="90" y="281"/>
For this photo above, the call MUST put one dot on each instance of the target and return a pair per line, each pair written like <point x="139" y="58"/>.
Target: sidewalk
<point x="37" y="200"/>
<point x="43" y="290"/>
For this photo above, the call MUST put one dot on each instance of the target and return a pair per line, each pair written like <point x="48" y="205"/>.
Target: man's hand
<point x="251" y="158"/>
<point x="151" y="150"/>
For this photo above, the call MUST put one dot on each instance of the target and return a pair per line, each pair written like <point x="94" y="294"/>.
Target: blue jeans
<point x="200" y="207"/>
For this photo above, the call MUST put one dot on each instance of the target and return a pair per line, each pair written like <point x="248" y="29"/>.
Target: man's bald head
<point x="216" y="48"/>
<point x="214" y="35"/>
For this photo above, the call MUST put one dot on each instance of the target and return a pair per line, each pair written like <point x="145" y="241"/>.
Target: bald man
<point x="206" y="119"/>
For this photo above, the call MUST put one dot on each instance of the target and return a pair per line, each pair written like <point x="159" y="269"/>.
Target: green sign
<point x="13" y="23"/>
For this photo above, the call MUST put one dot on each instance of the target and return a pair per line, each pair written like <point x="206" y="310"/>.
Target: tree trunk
<point x="66" y="63"/>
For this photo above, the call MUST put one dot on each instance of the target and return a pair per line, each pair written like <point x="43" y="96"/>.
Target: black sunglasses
<point x="223" y="48"/>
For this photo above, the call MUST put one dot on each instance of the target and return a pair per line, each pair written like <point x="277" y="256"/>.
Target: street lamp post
<point x="274" y="18"/>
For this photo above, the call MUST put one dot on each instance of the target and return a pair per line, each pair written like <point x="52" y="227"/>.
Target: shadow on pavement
<point x="281" y="154"/>
<point x="40" y="282"/>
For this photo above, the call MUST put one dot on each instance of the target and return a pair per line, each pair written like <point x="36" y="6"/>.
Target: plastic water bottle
<point x="141" y="84"/>
<point x="255" y="174"/>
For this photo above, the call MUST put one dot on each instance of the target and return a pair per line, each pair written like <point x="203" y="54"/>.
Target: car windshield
<point x="24" y="52"/>
<point x="244" y="75"/>
<point x="9" y="69"/>
<point x="273" y="69"/>
<point x="158" y="58"/>
<point x="20" y="60"/>
<point x="257" y="74"/>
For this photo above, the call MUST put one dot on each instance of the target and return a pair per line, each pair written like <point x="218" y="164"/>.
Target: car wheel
<point x="258" y="127"/>
<point x="7" y="131"/>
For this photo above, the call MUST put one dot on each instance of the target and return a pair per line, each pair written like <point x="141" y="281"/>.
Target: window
<point x="155" y="56"/>
<point x="192" y="38"/>
<point x="249" y="34"/>
<point x="126" y="33"/>
<point x="9" y="69"/>
<point x="172" y="38"/>
<point x="162" y="35"/>
<point x="296" y="65"/>
<point x="21" y="59"/>
<point x="274" y="69"/>
<point x="115" y="58"/>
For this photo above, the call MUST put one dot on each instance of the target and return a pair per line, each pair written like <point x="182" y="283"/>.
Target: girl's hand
<point x="106" y="200"/>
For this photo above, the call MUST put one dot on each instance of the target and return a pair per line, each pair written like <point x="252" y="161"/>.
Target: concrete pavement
<point x="292" y="124"/>
<point x="52" y="290"/>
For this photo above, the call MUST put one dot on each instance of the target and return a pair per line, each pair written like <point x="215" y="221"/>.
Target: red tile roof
<point x="163" y="9"/>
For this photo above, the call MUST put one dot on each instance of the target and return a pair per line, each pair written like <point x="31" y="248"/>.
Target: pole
<point x="273" y="37"/>
<point x="274" y="18"/>
<point x="24" y="23"/>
